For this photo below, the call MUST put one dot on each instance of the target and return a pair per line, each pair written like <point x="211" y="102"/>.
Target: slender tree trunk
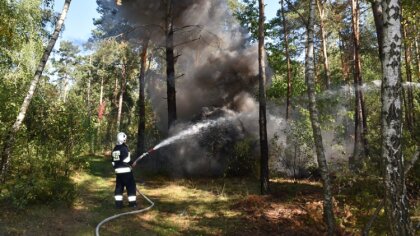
<point x="360" y="129"/>
<point x="410" y="96"/>
<point x="377" y="16"/>
<point x="100" y="114"/>
<point x="63" y="88"/>
<point x="344" y="66"/>
<point x="111" y="129"/>
<point x="396" y="202"/>
<point x="102" y="91"/>
<point x="417" y="53"/>
<point x="289" y="67"/>
<point x="141" y="102"/>
<point x="88" y="96"/>
<point x="121" y="97"/>
<point x="170" y="65"/>
<point x="89" y="111"/>
<point x="416" y="45"/>
<point x="11" y="135"/>
<point x="327" y="74"/>
<point x="322" y="162"/>
<point x="262" y="117"/>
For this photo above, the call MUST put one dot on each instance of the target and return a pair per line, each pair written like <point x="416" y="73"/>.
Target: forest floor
<point x="192" y="207"/>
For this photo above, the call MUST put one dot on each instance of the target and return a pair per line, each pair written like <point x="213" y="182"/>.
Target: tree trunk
<point x="313" y="111"/>
<point x="410" y="96"/>
<point x="289" y="67"/>
<point x="101" y="111"/>
<point x="262" y="116"/>
<point x="417" y="53"/>
<point x="102" y="90"/>
<point x="327" y="74"/>
<point x="416" y="45"/>
<point x="377" y="16"/>
<point x="396" y="203"/>
<point x="89" y="114"/>
<point x="344" y="65"/>
<point x="360" y="128"/>
<point x="170" y="65"/>
<point x="121" y="97"/>
<point x="11" y="135"/>
<point x="141" y="102"/>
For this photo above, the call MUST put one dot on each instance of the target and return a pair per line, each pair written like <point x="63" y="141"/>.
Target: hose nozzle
<point x="143" y="155"/>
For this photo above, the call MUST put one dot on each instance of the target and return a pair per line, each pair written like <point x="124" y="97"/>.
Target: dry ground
<point x="186" y="207"/>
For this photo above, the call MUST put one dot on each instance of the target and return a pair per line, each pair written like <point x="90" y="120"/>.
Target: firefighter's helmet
<point x="121" y="138"/>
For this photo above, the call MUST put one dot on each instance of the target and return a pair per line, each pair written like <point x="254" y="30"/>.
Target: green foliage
<point x="242" y="163"/>
<point x="278" y="88"/>
<point x="47" y="151"/>
<point x="248" y="18"/>
<point x="291" y="152"/>
<point x="36" y="190"/>
<point x="21" y="26"/>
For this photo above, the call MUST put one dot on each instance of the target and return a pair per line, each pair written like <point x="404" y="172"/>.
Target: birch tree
<point x="11" y="135"/>
<point x="321" y="12"/>
<point x="396" y="203"/>
<point x="316" y="129"/>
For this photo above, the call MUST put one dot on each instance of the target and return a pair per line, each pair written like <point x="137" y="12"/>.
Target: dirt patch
<point x="277" y="215"/>
<point x="271" y="216"/>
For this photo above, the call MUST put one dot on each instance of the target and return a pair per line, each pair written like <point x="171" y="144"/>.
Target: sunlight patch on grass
<point x="297" y="181"/>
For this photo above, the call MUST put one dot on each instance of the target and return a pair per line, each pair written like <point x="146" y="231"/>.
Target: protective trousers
<point x="125" y="180"/>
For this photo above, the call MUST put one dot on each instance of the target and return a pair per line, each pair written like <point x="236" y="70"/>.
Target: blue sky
<point x="79" y="22"/>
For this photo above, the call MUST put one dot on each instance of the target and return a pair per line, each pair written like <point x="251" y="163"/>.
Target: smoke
<point x="215" y="66"/>
<point x="216" y="75"/>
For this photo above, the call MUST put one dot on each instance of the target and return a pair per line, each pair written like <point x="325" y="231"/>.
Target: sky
<point x="79" y="21"/>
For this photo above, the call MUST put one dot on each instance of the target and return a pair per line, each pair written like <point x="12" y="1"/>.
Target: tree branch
<point x="302" y="18"/>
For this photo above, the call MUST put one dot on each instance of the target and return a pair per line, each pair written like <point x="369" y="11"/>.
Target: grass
<point x="191" y="207"/>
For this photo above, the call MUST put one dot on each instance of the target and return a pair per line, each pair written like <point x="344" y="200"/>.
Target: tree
<point x="247" y="16"/>
<point x="409" y="103"/>
<point x="289" y="69"/>
<point x="396" y="203"/>
<point x="141" y="101"/>
<point x="170" y="63"/>
<point x="9" y="140"/>
<point x="377" y="16"/>
<point x="65" y="65"/>
<point x="321" y="12"/>
<point x="322" y="162"/>
<point x="360" y="123"/>
<point x="262" y="99"/>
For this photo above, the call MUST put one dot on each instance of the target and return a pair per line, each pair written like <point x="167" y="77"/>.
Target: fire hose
<point x="129" y="212"/>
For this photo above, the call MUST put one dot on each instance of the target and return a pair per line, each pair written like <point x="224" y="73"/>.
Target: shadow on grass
<point x="100" y="166"/>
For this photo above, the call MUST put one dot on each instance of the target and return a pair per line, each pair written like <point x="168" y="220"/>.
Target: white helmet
<point x="121" y="138"/>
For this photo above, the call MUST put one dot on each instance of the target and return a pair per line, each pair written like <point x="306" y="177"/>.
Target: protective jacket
<point x="124" y="176"/>
<point x="121" y="159"/>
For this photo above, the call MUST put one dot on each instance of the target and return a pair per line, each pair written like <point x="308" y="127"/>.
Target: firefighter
<point x="123" y="170"/>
